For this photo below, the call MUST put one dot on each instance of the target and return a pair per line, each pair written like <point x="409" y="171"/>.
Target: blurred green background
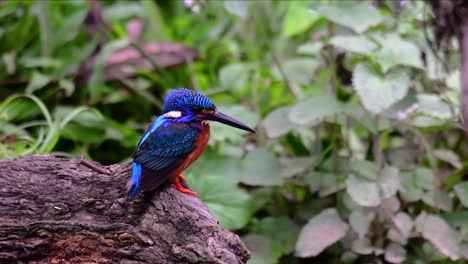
<point x="359" y="152"/>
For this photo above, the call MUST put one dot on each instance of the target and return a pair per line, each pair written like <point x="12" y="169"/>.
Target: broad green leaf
<point x="231" y="134"/>
<point x="360" y="222"/>
<point x="215" y="164"/>
<point x="299" y="18"/>
<point x="365" y="168"/>
<point x="326" y="183"/>
<point x="394" y="253"/>
<point x="38" y="81"/>
<point x="439" y="233"/>
<point x="397" y="51"/>
<point x="432" y="105"/>
<point x="295" y="166"/>
<point x="232" y="206"/>
<point x="239" y="8"/>
<point x="379" y="92"/>
<point x="261" y="168"/>
<point x="357" y="44"/>
<point x="409" y="190"/>
<point x="312" y="49"/>
<point x="123" y="11"/>
<point x="389" y="181"/>
<point x="357" y="15"/>
<point x="424" y="178"/>
<point x="453" y="80"/>
<point x="282" y="242"/>
<point x="313" y="110"/>
<point x="362" y="246"/>
<point x="448" y="156"/>
<point x="363" y="191"/>
<point x="277" y="123"/>
<point x="461" y="190"/>
<point x="439" y="199"/>
<point x="262" y="248"/>
<point x="321" y="231"/>
<point x="298" y="70"/>
<point x="234" y="76"/>
<point x="403" y="223"/>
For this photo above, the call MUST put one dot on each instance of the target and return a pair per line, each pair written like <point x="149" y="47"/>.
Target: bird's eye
<point x="195" y="109"/>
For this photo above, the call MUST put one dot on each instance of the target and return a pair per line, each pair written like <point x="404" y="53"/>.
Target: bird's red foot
<point x="178" y="186"/>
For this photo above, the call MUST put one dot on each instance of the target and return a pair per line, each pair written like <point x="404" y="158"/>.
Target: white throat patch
<point x="173" y="114"/>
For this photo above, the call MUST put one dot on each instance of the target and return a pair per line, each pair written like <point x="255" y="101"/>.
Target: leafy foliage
<point x="358" y="155"/>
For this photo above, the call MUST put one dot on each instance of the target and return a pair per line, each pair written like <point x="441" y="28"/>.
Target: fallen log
<point x="56" y="210"/>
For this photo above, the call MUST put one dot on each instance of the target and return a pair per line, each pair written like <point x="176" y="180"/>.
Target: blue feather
<point x="135" y="180"/>
<point x="156" y="123"/>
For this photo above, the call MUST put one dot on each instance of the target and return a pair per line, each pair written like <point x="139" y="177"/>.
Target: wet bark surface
<point x="56" y="210"/>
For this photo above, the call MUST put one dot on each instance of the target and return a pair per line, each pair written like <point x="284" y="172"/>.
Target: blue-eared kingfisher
<point x="174" y="140"/>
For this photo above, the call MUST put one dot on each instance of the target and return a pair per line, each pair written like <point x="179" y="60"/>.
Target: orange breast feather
<point x="201" y="144"/>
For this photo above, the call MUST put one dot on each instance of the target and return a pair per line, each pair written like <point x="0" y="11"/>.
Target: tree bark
<point x="56" y="210"/>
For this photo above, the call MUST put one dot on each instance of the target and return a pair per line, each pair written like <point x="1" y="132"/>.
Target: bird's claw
<point x="178" y="186"/>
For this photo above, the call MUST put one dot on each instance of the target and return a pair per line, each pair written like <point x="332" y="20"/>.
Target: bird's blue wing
<point x="161" y="151"/>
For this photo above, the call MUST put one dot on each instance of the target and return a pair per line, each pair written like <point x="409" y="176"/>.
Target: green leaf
<point x="234" y="76"/>
<point x="313" y="110"/>
<point x="397" y="51"/>
<point x="360" y="222"/>
<point x="461" y="190"/>
<point x="312" y="49"/>
<point x="326" y="183"/>
<point x="232" y="206"/>
<point x="281" y="242"/>
<point x="320" y="232"/>
<point x="394" y="253"/>
<point x="363" y="191"/>
<point x="357" y="15"/>
<point x="403" y="223"/>
<point x="439" y="233"/>
<point x="432" y="105"/>
<point x="379" y="92"/>
<point x="299" y="18"/>
<point x="448" y="156"/>
<point x="262" y="249"/>
<point x="215" y="164"/>
<point x="261" y="168"/>
<point x="409" y="190"/>
<point x="298" y="70"/>
<point x="239" y="8"/>
<point x="38" y="81"/>
<point x="295" y="166"/>
<point x="357" y="44"/>
<point x="389" y="181"/>
<point x="453" y="80"/>
<point x="439" y="199"/>
<point x="277" y="123"/>
<point x="365" y="168"/>
<point x="424" y="178"/>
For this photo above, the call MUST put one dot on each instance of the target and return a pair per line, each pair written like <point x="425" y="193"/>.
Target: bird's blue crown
<point x="186" y="100"/>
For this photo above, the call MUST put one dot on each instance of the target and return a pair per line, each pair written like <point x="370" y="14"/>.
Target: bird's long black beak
<point x="225" y="119"/>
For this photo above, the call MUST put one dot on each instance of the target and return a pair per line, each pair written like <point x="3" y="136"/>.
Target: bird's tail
<point x="135" y="180"/>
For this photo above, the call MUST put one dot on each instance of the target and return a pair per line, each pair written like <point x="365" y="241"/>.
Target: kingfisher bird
<point x="174" y="140"/>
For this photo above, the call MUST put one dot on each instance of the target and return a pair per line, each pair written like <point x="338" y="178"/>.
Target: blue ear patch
<point x="135" y="180"/>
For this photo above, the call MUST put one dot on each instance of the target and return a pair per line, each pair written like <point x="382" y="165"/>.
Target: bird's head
<point x="185" y="106"/>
